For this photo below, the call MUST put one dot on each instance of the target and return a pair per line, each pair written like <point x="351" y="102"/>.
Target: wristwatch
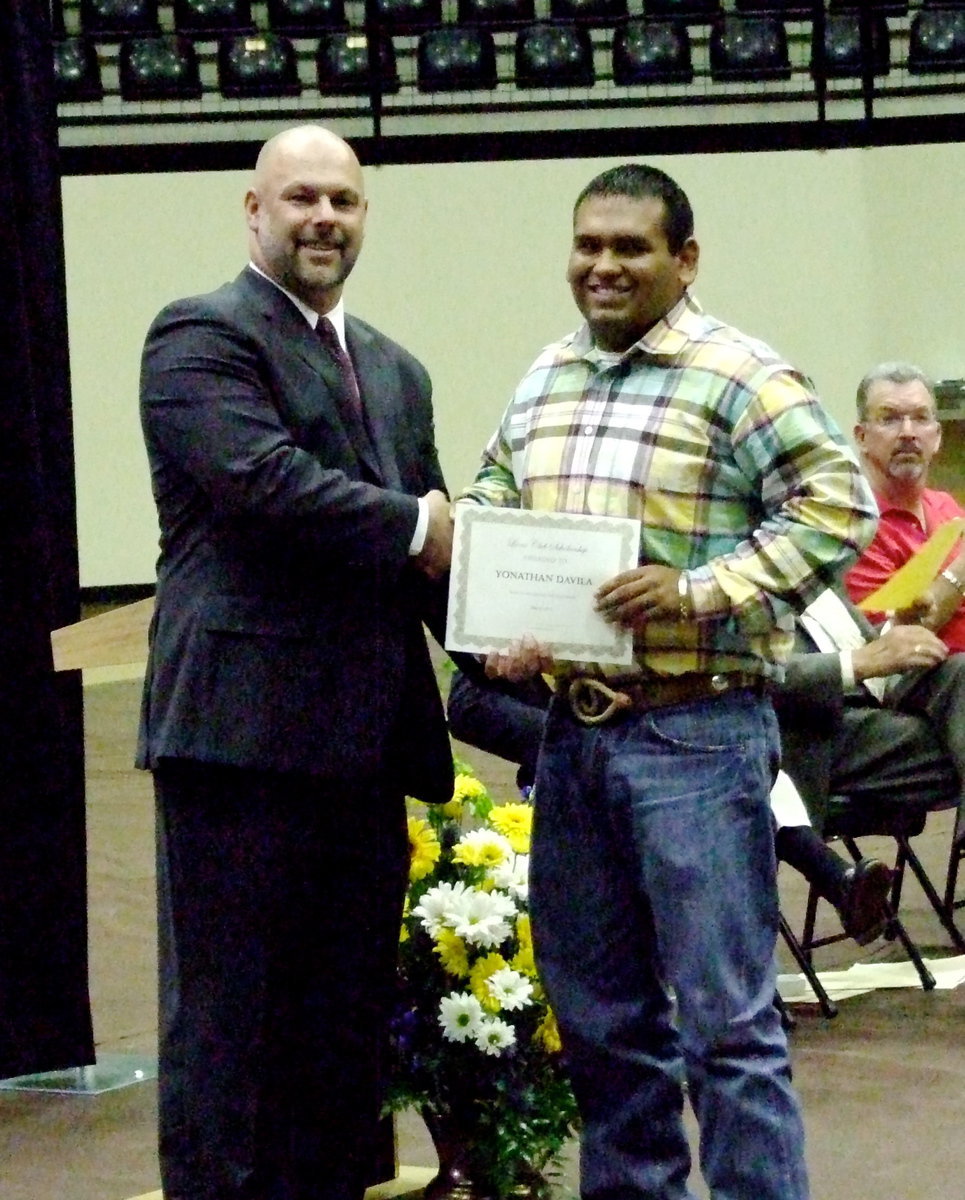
<point x="952" y="578"/>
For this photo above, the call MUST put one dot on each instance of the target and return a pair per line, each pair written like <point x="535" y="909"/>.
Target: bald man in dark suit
<point x="290" y="703"/>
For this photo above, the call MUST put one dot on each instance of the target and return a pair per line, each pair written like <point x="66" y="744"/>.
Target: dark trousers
<point x="939" y="696"/>
<point x="884" y="757"/>
<point x="279" y="906"/>
<point x="654" y="907"/>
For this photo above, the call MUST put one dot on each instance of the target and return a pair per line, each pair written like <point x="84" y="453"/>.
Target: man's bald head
<point x="306" y="212"/>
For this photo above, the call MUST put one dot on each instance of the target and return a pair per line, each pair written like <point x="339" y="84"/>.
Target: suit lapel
<point x="302" y="339"/>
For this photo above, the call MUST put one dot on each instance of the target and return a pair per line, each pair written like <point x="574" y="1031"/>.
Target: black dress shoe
<point x="862" y="907"/>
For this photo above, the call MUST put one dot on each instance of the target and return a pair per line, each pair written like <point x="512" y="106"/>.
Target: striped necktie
<point x="326" y="332"/>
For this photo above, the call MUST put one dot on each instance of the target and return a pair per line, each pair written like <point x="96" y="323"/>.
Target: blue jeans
<point x="654" y="907"/>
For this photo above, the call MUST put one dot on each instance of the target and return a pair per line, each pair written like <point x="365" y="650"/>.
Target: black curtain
<point x="45" y="1019"/>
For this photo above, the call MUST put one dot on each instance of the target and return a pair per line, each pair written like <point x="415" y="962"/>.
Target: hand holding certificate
<point x="517" y="574"/>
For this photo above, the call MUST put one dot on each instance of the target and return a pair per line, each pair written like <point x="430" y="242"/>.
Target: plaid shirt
<point x="724" y="453"/>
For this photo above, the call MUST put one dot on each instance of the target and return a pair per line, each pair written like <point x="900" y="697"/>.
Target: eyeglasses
<point x="896" y="421"/>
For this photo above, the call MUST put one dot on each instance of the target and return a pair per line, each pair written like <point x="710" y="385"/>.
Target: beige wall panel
<point x="917" y="217"/>
<point x="464" y="263"/>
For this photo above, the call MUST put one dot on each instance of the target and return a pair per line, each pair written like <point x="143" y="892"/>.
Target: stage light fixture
<point x="841" y="54"/>
<point x="496" y="14"/>
<point x="398" y="15"/>
<point x="749" y="50"/>
<point x="342" y="62"/>
<point x="306" y="16"/>
<point x="554" y="56"/>
<point x="456" y="60"/>
<point x="936" y="41"/>
<point x="257" y="65"/>
<point x="159" y="68"/>
<point x="77" y="72"/>
<point x="116" y="19"/>
<point x="647" y="51"/>
<point x="212" y="16"/>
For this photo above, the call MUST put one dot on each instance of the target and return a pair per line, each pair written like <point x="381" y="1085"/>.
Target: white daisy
<point x="492" y="1035"/>
<point x="439" y="904"/>
<point x="460" y="1014"/>
<point x="482" y="918"/>
<point x="513" y="876"/>
<point x="511" y="989"/>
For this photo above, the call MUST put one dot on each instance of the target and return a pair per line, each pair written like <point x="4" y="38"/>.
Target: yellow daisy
<point x="548" y="1033"/>
<point x="468" y="788"/>
<point x="482" y="968"/>
<point x="481" y="848"/>
<point x="424" y="848"/>
<point x="523" y="960"/>
<point x="515" y="822"/>
<point x="452" y="953"/>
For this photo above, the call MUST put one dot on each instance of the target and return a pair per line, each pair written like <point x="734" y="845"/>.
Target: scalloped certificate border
<point x="617" y="649"/>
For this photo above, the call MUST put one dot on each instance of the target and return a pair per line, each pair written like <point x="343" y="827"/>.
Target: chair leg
<point x="898" y="878"/>
<point x="951" y="881"/>
<point x="827" y="1005"/>
<point x="810" y="920"/>
<point x="941" y="910"/>
<point x="899" y="932"/>
<point x="787" y="1019"/>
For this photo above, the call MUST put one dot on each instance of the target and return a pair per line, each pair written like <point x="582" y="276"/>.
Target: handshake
<point x="436" y="553"/>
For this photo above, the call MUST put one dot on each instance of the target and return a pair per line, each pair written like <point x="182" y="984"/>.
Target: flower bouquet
<point x="476" y="1045"/>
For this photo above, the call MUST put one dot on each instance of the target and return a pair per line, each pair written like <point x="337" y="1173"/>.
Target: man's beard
<point x="907" y="470"/>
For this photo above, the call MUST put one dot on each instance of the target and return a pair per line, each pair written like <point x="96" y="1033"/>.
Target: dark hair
<point x="890" y="372"/>
<point x="639" y="183"/>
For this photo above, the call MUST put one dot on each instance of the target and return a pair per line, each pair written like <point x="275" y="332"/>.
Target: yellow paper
<point x="912" y="579"/>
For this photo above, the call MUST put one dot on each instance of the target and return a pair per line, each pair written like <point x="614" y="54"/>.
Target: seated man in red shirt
<point x="898" y="435"/>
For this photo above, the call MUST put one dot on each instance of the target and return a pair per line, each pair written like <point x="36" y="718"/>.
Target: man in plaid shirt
<point x="653" y="888"/>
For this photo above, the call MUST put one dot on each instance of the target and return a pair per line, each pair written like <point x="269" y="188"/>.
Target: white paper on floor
<point x="866" y="977"/>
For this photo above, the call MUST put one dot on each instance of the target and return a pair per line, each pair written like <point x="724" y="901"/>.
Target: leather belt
<point x="594" y="701"/>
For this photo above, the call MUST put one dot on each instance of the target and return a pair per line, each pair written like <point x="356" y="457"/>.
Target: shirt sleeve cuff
<point x="847" y="670"/>
<point x="421" y="528"/>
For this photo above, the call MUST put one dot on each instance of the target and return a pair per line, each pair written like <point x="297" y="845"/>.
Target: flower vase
<point x="462" y="1173"/>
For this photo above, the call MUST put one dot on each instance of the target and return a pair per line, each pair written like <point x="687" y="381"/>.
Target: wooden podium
<point x="111" y="639"/>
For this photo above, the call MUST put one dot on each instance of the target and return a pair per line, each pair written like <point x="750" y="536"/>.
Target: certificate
<point x="910" y="581"/>
<point x="518" y="573"/>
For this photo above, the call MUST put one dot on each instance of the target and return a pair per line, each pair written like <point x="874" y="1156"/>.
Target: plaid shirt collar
<point x="663" y="340"/>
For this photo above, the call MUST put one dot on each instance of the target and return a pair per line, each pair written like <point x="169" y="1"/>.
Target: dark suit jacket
<point x="897" y="752"/>
<point x="288" y="627"/>
<point x="501" y="718"/>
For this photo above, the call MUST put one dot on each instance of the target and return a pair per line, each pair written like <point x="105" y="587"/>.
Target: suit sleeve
<point x="209" y="414"/>
<point x="500" y="718"/>
<point x="812" y="683"/>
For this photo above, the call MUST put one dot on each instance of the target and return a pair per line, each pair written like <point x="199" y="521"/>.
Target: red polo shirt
<point x="898" y="537"/>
